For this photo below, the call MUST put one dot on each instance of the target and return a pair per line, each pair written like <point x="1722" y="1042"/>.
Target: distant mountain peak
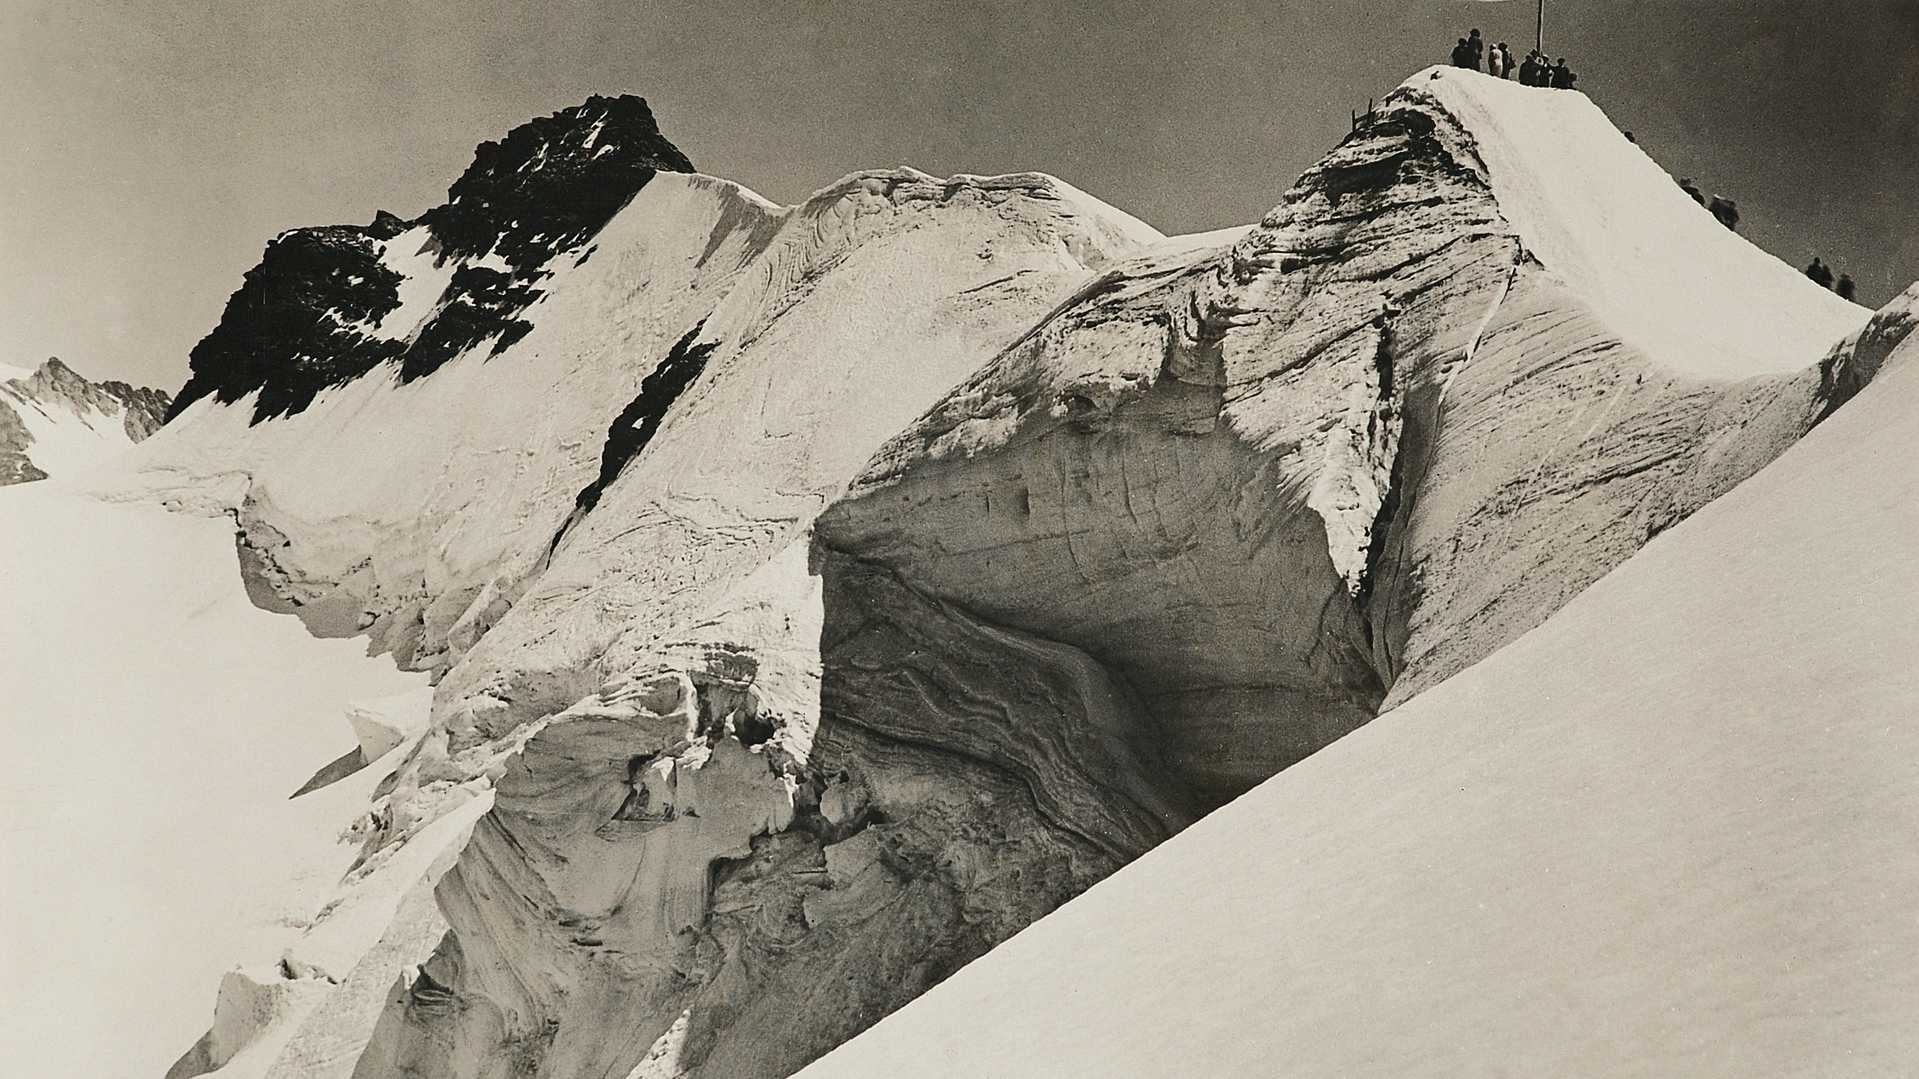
<point x="54" y="420"/>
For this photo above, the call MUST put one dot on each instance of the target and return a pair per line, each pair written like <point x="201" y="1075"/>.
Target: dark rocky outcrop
<point x="286" y="333"/>
<point x="302" y="320"/>
<point x="553" y="182"/>
<point x="640" y="420"/>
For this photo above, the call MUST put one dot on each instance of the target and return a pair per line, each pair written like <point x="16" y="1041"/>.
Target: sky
<point x="152" y="148"/>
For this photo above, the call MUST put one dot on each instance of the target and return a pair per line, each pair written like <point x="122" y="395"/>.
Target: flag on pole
<point x="1540" y="35"/>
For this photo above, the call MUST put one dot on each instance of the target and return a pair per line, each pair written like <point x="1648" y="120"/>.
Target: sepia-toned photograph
<point x="994" y="539"/>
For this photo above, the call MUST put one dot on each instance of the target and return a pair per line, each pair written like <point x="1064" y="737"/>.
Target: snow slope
<point x="155" y="723"/>
<point x="413" y="500"/>
<point x="1666" y="833"/>
<point x="1613" y="225"/>
<point x="66" y="440"/>
<point x="53" y="422"/>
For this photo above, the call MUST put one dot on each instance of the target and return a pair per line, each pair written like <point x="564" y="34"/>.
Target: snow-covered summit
<point x="53" y="421"/>
<point x="552" y="513"/>
<point x="1602" y="216"/>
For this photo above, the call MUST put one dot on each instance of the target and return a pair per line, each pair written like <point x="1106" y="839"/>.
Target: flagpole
<point x="1540" y="40"/>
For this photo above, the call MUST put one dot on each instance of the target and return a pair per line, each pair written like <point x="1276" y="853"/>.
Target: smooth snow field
<point x="1667" y="833"/>
<point x="155" y="724"/>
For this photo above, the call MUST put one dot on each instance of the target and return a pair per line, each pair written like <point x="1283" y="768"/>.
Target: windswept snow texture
<point x="1667" y="833"/>
<point x="155" y="722"/>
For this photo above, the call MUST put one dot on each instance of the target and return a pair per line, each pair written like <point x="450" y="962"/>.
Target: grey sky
<point x="152" y="148"/>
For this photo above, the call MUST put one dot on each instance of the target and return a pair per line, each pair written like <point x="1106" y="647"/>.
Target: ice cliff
<point x="1662" y="834"/>
<point x="818" y="595"/>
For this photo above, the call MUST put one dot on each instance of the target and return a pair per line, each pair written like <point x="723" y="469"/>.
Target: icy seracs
<point x="818" y="595"/>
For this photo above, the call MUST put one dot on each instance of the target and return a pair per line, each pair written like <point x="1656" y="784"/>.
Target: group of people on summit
<point x="1821" y="275"/>
<point x="1534" y="70"/>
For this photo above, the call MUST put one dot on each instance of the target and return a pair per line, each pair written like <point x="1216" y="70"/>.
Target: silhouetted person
<point x="1821" y="275"/>
<point x="1562" y="76"/>
<point x="1692" y="189"/>
<point x="1726" y="210"/>
<point x="1495" y="57"/>
<point x="1846" y="288"/>
<point x="1505" y="61"/>
<point x="1529" y="69"/>
<point x="1478" y="46"/>
<point x="1462" y="54"/>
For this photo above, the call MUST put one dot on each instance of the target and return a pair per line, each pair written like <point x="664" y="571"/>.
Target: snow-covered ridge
<point x="54" y="422"/>
<point x="1695" y="296"/>
<point x="433" y="515"/>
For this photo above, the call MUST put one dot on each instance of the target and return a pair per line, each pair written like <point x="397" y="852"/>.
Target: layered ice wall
<point x="1278" y="485"/>
<point x="1662" y="833"/>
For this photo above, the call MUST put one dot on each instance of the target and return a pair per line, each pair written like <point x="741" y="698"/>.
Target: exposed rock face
<point x="320" y="308"/>
<point x="54" y="419"/>
<point x="789" y="702"/>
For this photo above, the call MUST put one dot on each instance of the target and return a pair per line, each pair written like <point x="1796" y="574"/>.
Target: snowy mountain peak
<point x="1598" y="213"/>
<point x="54" y="421"/>
<point x="320" y="309"/>
<point x="553" y="182"/>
